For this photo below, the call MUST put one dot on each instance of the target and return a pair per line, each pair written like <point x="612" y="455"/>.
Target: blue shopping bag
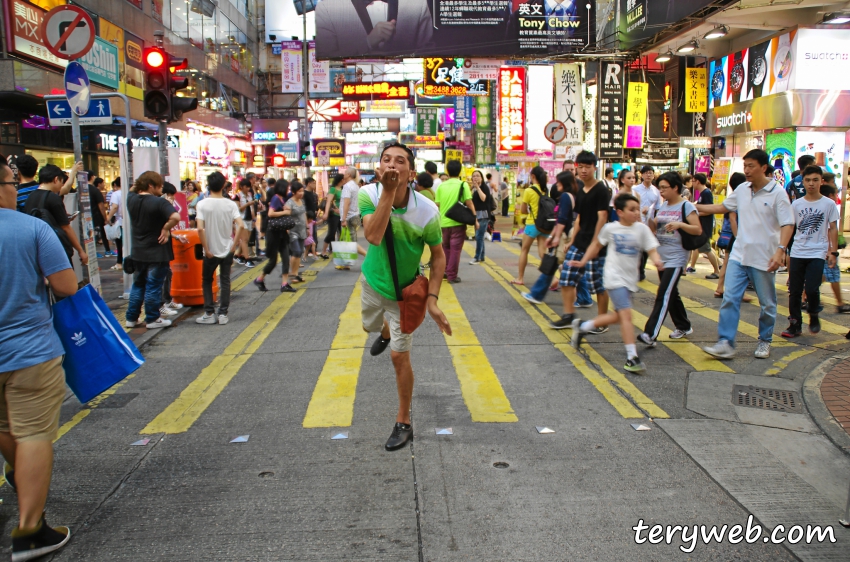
<point x="98" y="352"/>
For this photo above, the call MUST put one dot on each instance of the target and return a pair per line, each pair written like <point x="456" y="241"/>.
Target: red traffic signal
<point x="154" y="58"/>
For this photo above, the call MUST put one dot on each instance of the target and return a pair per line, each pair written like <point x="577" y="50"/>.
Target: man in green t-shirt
<point x="454" y="233"/>
<point x="415" y="223"/>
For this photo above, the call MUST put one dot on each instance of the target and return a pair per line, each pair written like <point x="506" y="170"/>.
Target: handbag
<point x="549" y="264"/>
<point x="113" y="231"/>
<point x="98" y="352"/>
<point x="344" y="250"/>
<point x="460" y="212"/>
<point x="689" y="241"/>
<point x="282" y="224"/>
<point x="412" y="300"/>
<point x="725" y="235"/>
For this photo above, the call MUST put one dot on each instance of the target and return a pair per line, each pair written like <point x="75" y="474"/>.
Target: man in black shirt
<point x="45" y="203"/>
<point x="27" y="168"/>
<point x="152" y="218"/>
<point x="592" y="208"/>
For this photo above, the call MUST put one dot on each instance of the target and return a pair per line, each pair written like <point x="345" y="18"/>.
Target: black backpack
<point x="689" y="241"/>
<point x="41" y="213"/>
<point x="546" y="217"/>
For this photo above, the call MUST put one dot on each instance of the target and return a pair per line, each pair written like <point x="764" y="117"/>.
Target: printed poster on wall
<point x="320" y="72"/>
<point x="569" y="108"/>
<point x="636" y="108"/>
<point x="291" y="67"/>
<point x="433" y="28"/>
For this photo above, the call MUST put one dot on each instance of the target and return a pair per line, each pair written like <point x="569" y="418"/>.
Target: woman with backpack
<point x="675" y="216"/>
<point x="482" y="201"/>
<point x="531" y="197"/>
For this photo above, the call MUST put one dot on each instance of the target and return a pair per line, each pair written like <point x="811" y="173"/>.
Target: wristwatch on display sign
<point x="717" y="83"/>
<point x="736" y="77"/>
<point x="758" y="70"/>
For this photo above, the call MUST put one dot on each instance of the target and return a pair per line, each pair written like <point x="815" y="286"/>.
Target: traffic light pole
<point x="305" y="78"/>
<point x="163" y="149"/>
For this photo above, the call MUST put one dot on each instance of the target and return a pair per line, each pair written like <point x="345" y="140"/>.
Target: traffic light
<point x="157" y="92"/>
<point x="179" y="104"/>
<point x="304" y="150"/>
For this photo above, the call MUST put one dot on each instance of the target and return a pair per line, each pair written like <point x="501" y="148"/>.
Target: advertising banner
<point x="291" y="67"/>
<point x="436" y="100"/>
<point x="485" y="147"/>
<point x="23" y="37"/>
<point x="101" y="63"/>
<point x="641" y="19"/>
<point x="448" y="77"/>
<point x="823" y="57"/>
<point x="320" y="72"/>
<point x="696" y="90"/>
<point x="482" y="69"/>
<point x="429" y="28"/>
<point x="569" y="108"/>
<point x="636" y="108"/>
<point x="333" y="110"/>
<point x="376" y="91"/>
<point x="336" y="148"/>
<point x="512" y="108"/>
<point x="611" y="109"/>
<point x="780" y="150"/>
<point x="463" y="112"/>
<point x="426" y="121"/>
<point x="484" y="107"/>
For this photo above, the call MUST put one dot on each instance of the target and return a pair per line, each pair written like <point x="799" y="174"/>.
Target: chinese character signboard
<point x="449" y="77"/>
<point x="484" y="107"/>
<point x="696" y="90"/>
<point x="333" y="110"/>
<point x="636" y="108"/>
<point x="463" y="112"/>
<point x="320" y="71"/>
<point x="453" y="154"/>
<point x="291" y="67"/>
<point x="569" y="106"/>
<point x="611" y="106"/>
<point x="376" y="91"/>
<point x="485" y="147"/>
<point x="426" y="121"/>
<point x="454" y="28"/>
<point x="23" y="34"/>
<point x="512" y="108"/>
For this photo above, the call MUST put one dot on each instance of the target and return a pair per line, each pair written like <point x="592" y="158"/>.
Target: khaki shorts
<point x="353" y="224"/>
<point x="374" y="308"/>
<point x="31" y="400"/>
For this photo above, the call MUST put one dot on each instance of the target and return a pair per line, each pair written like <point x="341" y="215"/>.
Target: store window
<point x="179" y="17"/>
<point x="210" y="46"/>
<point x="64" y="160"/>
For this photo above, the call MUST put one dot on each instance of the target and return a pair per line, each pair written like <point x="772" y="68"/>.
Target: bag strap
<point x="460" y="191"/>
<point x="388" y="236"/>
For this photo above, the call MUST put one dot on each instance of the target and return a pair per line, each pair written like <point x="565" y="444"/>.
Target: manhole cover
<point x="500" y="464"/>
<point x="767" y="399"/>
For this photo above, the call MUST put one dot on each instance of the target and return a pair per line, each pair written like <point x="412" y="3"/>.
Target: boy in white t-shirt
<point x="815" y="243"/>
<point x="626" y="241"/>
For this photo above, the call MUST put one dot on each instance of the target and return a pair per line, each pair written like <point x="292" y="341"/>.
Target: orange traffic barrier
<point x="187" y="269"/>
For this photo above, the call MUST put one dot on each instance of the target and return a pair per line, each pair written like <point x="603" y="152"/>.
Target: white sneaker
<point x="646" y="340"/>
<point x="474" y="262"/>
<point x="129" y="324"/>
<point x="722" y="350"/>
<point x="160" y="323"/>
<point x="174" y="305"/>
<point x="679" y="334"/>
<point x="206" y="319"/>
<point x="222" y="319"/>
<point x="488" y="237"/>
<point x="165" y="311"/>
<point x="529" y="298"/>
<point x="763" y="350"/>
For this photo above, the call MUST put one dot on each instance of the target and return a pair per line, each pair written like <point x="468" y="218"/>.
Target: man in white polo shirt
<point x="765" y="226"/>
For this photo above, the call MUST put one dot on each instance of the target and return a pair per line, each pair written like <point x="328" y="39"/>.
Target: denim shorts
<point x="832" y="274"/>
<point x="621" y="298"/>
<point x="531" y="230"/>
<point x="592" y="271"/>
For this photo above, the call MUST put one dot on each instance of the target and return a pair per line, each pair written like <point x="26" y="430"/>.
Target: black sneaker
<point x="261" y="285"/>
<point x="287" y="288"/>
<point x="379" y="345"/>
<point x="9" y="475"/>
<point x="814" y="324"/>
<point x="250" y="263"/>
<point x="324" y="256"/>
<point x="843" y="309"/>
<point x="402" y="433"/>
<point x="577" y="333"/>
<point x="793" y="330"/>
<point x="454" y="281"/>
<point x="43" y="541"/>
<point x="240" y="260"/>
<point x="635" y="365"/>
<point x="566" y="321"/>
<point x="597" y="331"/>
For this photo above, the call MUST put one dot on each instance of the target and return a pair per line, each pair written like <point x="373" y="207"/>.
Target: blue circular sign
<point x="77" y="88"/>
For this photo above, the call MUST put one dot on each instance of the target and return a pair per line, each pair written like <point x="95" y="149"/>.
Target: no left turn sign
<point x="555" y="131"/>
<point x="67" y="32"/>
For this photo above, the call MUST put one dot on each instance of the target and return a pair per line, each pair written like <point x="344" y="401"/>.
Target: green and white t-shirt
<point x="414" y="227"/>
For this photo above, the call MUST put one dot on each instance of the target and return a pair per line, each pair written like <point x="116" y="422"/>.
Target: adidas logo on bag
<point x="79" y="339"/>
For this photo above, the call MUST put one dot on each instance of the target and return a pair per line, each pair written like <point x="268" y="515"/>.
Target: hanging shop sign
<point x="636" y="108"/>
<point x="426" y="121"/>
<point x="217" y="148"/>
<point x="291" y="67"/>
<point x="421" y="99"/>
<point x="320" y="71"/>
<point x="335" y="149"/>
<point x="482" y="69"/>
<point x="448" y="77"/>
<point x="569" y="108"/>
<point x="453" y="154"/>
<point x="333" y="110"/>
<point x="611" y="107"/>
<point x="413" y="140"/>
<point x="483" y="112"/>
<point x="101" y="63"/>
<point x="485" y="147"/>
<point x="23" y="35"/>
<point x="389" y="109"/>
<point x="512" y="108"/>
<point x="696" y="90"/>
<point x="463" y="112"/>
<point x="376" y="91"/>
<point x="799" y="108"/>
<point x="695" y="142"/>
<point x="496" y="28"/>
<point x="373" y="125"/>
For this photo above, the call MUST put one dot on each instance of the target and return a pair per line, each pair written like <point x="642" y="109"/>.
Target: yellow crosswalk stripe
<point x="690" y="353"/>
<point x="482" y="392"/>
<point x="181" y="414"/>
<point x="332" y="403"/>
<point x="825" y="325"/>
<point x="778" y="366"/>
<point x="603" y="384"/>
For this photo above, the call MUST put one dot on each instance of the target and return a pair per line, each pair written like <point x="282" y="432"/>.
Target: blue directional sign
<point x="59" y="113"/>
<point x="77" y="88"/>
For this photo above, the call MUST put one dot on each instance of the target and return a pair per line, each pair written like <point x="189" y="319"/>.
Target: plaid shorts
<point x="832" y="274"/>
<point x="592" y="271"/>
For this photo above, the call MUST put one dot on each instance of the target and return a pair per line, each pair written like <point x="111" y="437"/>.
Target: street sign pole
<point x="163" y="149"/>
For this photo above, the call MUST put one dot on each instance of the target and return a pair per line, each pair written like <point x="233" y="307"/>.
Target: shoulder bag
<point x="460" y="212"/>
<point x="413" y="299"/>
<point x="689" y="241"/>
<point x="282" y="223"/>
